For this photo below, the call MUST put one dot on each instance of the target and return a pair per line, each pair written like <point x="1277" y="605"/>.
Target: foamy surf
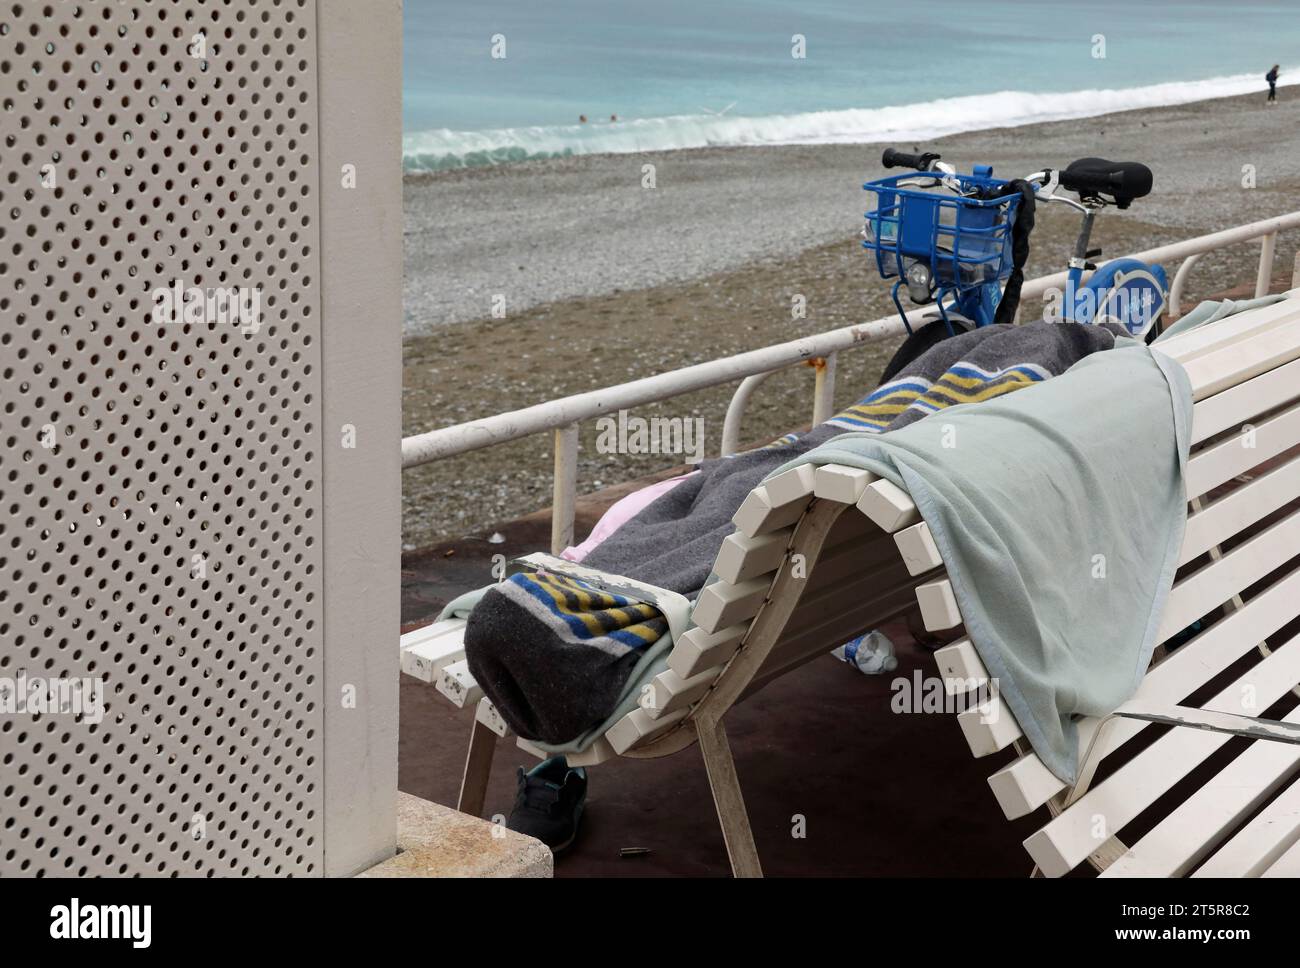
<point x="443" y="149"/>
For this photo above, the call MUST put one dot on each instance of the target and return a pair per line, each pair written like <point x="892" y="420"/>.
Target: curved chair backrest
<point x="1238" y="578"/>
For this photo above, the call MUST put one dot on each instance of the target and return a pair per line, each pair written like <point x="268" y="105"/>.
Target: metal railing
<point x="563" y="416"/>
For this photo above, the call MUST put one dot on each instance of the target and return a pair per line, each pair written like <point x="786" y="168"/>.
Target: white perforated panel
<point x="168" y="544"/>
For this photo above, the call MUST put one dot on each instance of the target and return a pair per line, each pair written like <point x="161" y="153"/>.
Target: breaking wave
<point x="442" y="149"/>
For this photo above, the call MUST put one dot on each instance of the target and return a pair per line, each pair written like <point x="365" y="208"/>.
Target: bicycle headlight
<point x="920" y="283"/>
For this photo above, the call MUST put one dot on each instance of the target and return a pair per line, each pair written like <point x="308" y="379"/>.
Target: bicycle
<point x="960" y="237"/>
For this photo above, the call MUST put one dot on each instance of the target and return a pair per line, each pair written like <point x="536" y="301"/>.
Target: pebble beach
<point x="606" y="268"/>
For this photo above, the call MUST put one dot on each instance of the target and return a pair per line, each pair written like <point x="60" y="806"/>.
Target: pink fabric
<point x="619" y="513"/>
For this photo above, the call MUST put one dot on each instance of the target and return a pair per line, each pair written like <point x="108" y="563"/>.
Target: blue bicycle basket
<point x="964" y="239"/>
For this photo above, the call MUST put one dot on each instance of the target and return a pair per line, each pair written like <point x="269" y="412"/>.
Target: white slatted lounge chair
<point x="761" y="620"/>
<point x="858" y="541"/>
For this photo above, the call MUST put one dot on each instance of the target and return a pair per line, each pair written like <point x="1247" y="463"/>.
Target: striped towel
<point x="554" y="653"/>
<point x="963" y="382"/>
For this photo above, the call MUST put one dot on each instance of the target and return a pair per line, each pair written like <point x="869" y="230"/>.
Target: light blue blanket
<point x="1059" y="511"/>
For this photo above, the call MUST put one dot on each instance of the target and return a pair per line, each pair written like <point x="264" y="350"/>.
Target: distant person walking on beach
<point x="1271" y="77"/>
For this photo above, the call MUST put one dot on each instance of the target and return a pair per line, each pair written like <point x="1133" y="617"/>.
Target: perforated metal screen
<point x="160" y="478"/>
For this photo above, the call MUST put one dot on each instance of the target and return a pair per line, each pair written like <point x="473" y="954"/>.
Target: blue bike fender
<point x="1122" y="290"/>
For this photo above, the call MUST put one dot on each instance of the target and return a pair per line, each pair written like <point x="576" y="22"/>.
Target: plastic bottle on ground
<point x="872" y="654"/>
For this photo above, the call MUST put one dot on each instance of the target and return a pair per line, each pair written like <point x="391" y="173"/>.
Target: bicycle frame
<point x="1127" y="291"/>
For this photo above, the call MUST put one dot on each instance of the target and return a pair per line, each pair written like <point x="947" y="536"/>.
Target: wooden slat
<point x="758" y="514"/>
<point x="434" y="630"/>
<point x="1230" y="330"/>
<point x="844" y="485"/>
<point x="1222" y="461"/>
<point x="1068" y="839"/>
<point x="989" y="727"/>
<point x="637" y="727"/>
<point x="1288" y="865"/>
<point x="888" y="505"/>
<point x="961" y="667"/>
<point x="769" y="625"/>
<point x="427" y="651"/>
<point x="790" y="486"/>
<point x="1235" y="363"/>
<point x="457" y="684"/>
<point x="722" y="606"/>
<point x="1234" y="512"/>
<point x="916" y="545"/>
<point x="938" y="603"/>
<point x="1026" y="784"/>
<point x="489" y="716"/>
<point x="1238" y="405"/>
<point x="698" y="650"/>
<point x="1259" y="844"/>
<point x="741" y="557"/>
<point x="1197" y="825"/>
<point x="669" y="692"/>
<point x="722" y="603"/>
<point x="1215" y="583"/>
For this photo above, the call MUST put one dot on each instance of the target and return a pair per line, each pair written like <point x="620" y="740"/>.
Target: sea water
<point x="495" y="81"/>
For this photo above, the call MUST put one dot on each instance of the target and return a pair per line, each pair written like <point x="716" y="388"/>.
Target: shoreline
<point x="637" y="281"/>
<point x="1044" y="108"/>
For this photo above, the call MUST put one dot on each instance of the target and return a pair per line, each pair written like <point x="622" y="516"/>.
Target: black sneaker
<point x="549" y="803"/>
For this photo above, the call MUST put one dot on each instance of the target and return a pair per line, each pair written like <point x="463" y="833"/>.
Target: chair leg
<point x="721" y="769"/>
<point x="478" y="764"/>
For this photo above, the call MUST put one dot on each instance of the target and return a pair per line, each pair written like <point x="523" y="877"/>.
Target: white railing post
<point x="1180" y="281"/>
<point x="564" y="501"/>
<point x="1264" y="277"/>
<point x="824" y="389"/>
<point x="736" y="412"/>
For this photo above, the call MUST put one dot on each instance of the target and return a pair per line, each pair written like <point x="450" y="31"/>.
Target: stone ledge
<point x="437" y="841"/>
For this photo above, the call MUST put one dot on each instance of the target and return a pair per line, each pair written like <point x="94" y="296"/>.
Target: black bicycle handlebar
<point x="893" y="158"/>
